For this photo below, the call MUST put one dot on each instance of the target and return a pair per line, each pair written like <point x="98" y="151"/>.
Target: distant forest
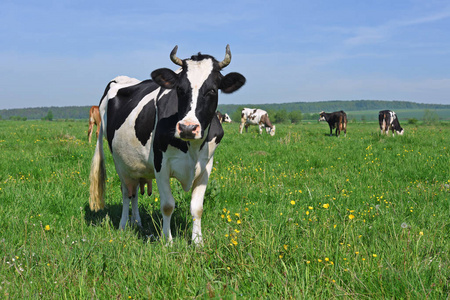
<point x="309" y="110"/>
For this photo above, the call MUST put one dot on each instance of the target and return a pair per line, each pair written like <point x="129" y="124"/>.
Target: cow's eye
<point x="211" y="93"/>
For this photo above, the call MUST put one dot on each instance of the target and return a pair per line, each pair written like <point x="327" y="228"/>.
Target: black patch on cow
<point x="165" y="129"/>
<point x="145" y="122"/>
<point x="215" y="131"/>
<point x="120" y="107"/>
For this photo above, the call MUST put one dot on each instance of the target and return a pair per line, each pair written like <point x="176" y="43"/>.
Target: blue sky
<point x="63" y="53"/>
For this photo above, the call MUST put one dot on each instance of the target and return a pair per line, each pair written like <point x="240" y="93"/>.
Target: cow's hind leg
<point x="91" y="127"/>
<point x="130" y="194"/>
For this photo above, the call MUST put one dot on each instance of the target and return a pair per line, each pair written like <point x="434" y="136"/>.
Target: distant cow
<point x="163" y="128"/>
<point x="337" y="119"/>
<point x="94" y="119"/>
<point x="254" y="116"/>
<point x="223" y="117"/>
<point x="388" y="120"/>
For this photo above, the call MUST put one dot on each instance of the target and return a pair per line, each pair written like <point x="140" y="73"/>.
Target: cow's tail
<point x="97" y="176"/>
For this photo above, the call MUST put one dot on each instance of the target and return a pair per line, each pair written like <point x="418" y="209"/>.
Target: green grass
<point x="297" y="215"/>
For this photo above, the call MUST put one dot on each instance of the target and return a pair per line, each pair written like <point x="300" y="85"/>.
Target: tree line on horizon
<point x="278" y="112"/>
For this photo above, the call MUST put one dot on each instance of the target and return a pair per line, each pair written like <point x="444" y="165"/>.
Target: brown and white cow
<point x="256" y="116"/>
<point x="223" y="118"/>
<point x="162" y="128"/>
<point x="94" y="119"/>
<point x="337" y="119"/>
<point x="388" y="120"/>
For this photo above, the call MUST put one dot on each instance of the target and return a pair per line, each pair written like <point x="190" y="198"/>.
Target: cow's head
<point x="226" y="118"/>
<point x="270" y="131"/>
<point x="322" y="116"/>
<point x="197" y="85"/>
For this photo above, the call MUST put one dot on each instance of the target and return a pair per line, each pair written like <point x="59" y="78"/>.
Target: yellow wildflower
<point x="326" y="205"/>
<point x="47" y="227"/>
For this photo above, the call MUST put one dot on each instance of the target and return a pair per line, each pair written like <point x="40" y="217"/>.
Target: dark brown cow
<point x="337" y="119"/>
<point x="94" y="119"/>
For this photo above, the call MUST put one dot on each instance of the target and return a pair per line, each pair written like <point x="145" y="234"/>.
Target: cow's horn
<point x="174" y="58"/>
<point x="226" y="61"/>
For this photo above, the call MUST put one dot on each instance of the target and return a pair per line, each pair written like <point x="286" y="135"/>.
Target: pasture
<point x="297" y="215"/>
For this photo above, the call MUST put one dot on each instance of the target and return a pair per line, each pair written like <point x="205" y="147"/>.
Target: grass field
<point x="298" y="215"/>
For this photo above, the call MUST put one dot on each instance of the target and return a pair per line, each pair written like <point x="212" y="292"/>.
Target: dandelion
<point x="351" y="217"/>
<point x="308" y="262"/>
<point x="238" y="222"/>
<point x="285" y="247"/>
<point x="327" y="259"/>
<point x="404" y="225"/>
<point x="319" y="260"/>
<point x="421" y="233"/>
<point x="156" y="199"/>
<point x="374" y="255"/>
<point x="293" y="202"/>
<point x="310" y="207"/>
<point x="326" y="205"/>
<point x="307" y="212"/>
<point x="47" y="227"/>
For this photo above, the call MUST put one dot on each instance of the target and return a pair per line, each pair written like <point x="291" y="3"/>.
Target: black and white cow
<point x="337" y="119"/>
<point x="163" y="128"/>
<point x="256" y="116"/>
<point x="388" y="120"/>
<point x="223" y="118"/>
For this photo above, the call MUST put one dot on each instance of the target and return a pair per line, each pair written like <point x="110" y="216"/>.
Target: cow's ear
<point x="231" y="82"/>
<point x="164" y="77"/>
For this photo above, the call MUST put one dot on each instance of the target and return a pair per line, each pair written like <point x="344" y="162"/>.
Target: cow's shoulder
<point x="167" y="110"/>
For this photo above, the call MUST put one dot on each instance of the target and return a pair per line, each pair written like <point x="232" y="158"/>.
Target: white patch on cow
<point x="197" y="73"/>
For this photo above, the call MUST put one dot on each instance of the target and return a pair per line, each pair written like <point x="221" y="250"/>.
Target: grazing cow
<point x="223" y="117"/>
<point x="388" y="120"/>
<point x="94" y="119"/>
<point x="256" y="116"/>
<point x="337" y="119"/>
<point x="163" y="128"/>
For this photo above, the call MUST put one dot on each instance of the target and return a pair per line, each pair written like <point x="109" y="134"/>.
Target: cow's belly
<point x="252" y="122"/>
<point x="133" y="161"/>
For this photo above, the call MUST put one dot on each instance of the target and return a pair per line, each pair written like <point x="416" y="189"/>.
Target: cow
<point x="223" y="117"/>
<point x="94" y="119"/>
<point x="388" y="120"/>
<point x="163" y="128"/>
<point x="337" y="119"/>
<point x="256" y="116"/>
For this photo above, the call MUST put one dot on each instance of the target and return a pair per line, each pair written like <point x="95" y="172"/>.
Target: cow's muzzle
<point x="188" y="131"/>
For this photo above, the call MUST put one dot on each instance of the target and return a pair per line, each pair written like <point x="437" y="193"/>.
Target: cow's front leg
<point x="167" y="204"/>
<point x="198" y="195"/>
<point x="260" y="128"/>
